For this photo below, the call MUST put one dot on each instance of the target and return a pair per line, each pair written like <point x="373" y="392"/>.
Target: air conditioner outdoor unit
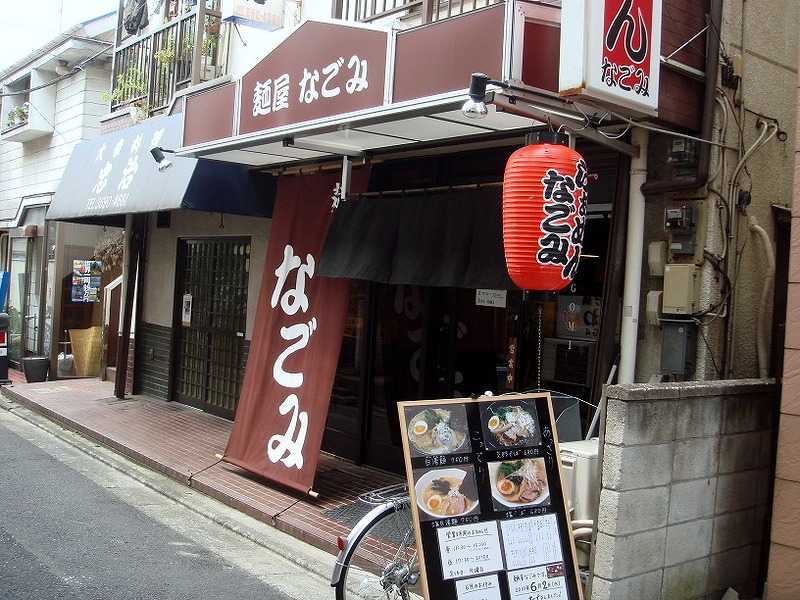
<point x="581" y="487"/>
<point x="568" y="361"/>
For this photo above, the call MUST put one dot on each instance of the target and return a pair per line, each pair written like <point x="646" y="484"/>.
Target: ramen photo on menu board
<point x="446" y="492"/>
<point x="437" y="430"/>
<point x="517" y="483"/>
<point x="512" y="424"/>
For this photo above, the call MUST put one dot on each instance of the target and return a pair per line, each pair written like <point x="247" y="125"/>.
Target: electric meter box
<point x="686" y="222"/>
<point x="678" y="346"/>
<point x="681" y="289"/>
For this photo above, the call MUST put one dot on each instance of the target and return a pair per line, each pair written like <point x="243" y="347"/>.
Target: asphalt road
<point x="79" y="522"/>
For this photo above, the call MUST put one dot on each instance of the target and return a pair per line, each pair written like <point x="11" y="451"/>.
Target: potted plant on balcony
<point x="212" y="25"/>
<point x="18" y="115"/>
<point x="166" y="54"/>
<point x="131" y="89"/>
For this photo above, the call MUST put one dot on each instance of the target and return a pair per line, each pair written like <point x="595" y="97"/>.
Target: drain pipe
<point x="628" y="338"/>
<point x="632" y="286"/>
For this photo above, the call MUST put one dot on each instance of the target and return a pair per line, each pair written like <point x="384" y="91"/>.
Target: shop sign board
<point x="320" y="70"/>
<point x="266" y="14"/>
<point x="488" y="501"/>
<point x="610" y="51"/>
<point x="114" y="174"/>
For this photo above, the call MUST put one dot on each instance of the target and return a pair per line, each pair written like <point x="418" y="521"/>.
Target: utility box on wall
<point x="686" y="222"/>
<point x="678" y="346"/>
<point x="681" y="289"/>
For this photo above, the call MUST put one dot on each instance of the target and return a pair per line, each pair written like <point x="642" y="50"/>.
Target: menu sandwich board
<point x="489" y="509"/>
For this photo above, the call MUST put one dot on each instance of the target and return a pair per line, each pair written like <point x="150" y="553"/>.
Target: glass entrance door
<point x="24" y="297"/>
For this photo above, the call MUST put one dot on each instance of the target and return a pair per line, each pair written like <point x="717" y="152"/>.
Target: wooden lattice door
<point x="211" y="317"/>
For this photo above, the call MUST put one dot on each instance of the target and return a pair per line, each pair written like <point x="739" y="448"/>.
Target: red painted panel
<point x="220" y="103"/>
<point x="542" y="55"/>
<point x="440" y="57"/>
<point x="682" y="21"/>
<point x="680" y="101"/>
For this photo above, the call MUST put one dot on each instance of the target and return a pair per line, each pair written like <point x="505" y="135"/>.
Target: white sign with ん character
<point x="610" y="51"/>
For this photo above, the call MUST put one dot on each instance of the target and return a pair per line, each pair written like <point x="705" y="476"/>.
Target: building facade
<point x="784" y="552"/>
<point x="360" y="120"/>
<point x="52" y="100"/>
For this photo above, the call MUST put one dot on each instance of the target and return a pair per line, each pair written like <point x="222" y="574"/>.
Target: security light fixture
<point x="540" y="107"/>
<point x="158" y="156"/>
<point x="543" y="109"/>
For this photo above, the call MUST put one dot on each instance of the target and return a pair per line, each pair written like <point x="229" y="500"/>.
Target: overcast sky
<point x="29" y="24"/>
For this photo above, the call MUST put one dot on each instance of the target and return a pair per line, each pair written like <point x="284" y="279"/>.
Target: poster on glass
<point x="86" y="280"/>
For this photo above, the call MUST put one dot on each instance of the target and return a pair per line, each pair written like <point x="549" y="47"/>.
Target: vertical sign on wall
<point x="490" y="513"/>
<point x="611" y="51"/>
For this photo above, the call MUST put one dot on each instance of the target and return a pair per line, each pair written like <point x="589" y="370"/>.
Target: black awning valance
<point x="450" y="239"/>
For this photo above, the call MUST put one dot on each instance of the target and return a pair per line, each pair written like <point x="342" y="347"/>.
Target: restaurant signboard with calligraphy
<point x="490" y="514"/>
<point x="611" y="51"/>
<point x="300" y="318"/>
<point x="321" y="69"/>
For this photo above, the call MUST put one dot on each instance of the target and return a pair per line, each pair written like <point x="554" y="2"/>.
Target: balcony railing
<point x="185" y="51"/>
<point x="413" y="12"/>
<point x="150" y="68"/>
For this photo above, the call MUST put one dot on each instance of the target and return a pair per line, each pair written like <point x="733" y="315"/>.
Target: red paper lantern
<point x="544" y="213"/>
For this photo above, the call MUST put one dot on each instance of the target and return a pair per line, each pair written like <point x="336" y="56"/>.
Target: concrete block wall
<point x="686" y="471"/>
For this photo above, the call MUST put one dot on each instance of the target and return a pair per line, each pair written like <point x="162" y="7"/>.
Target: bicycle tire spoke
<point x="384" y="564"/>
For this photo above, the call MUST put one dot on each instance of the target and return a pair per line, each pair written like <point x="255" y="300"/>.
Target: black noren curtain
<point x="449" y="239"/>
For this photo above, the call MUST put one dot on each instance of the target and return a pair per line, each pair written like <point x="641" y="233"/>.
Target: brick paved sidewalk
<point x="186" y="444"/>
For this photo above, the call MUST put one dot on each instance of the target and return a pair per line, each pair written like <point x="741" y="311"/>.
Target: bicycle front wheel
<point x="382" y="563"/>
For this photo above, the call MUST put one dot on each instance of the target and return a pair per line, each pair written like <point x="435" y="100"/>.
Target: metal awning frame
<point x="403" y="126"/>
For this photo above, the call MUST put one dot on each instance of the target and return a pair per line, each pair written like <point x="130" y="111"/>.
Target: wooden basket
<point x="86" y="350"/>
